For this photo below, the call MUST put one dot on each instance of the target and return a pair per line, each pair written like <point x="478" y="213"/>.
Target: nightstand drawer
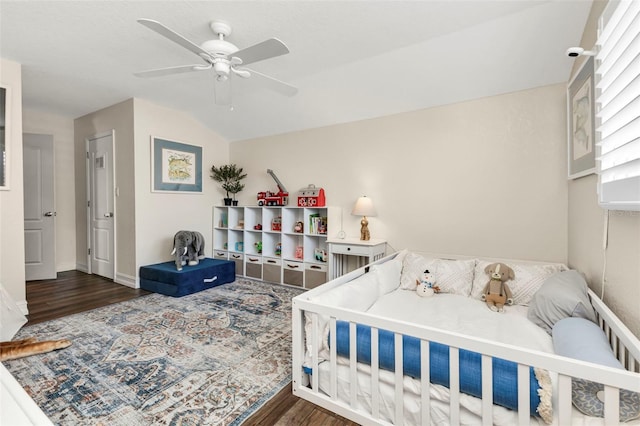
<point x="353" y="250"/>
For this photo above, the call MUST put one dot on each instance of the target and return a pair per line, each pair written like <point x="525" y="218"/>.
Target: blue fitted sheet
<point x="505" y="373"/>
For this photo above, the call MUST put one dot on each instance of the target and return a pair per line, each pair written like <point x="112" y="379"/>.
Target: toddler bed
<point x="367" y="347"/>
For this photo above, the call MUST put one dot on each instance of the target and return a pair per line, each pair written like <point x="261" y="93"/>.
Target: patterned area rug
<point x="210" y="358"/>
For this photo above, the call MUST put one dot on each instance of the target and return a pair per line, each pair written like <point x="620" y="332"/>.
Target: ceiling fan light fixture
<point x="221" y="68"/>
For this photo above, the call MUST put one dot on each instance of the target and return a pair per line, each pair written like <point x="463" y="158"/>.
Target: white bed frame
<point x="624" y="344"/>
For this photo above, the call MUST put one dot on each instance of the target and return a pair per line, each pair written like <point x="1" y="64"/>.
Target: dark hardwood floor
<point x="75" y="291"/>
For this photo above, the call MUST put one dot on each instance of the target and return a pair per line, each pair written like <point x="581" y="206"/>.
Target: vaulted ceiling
<point x="350" y="60"/>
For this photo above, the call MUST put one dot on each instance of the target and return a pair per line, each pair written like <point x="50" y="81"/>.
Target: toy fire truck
<point x="268" y="198"/>
<point x="311" y="197"/>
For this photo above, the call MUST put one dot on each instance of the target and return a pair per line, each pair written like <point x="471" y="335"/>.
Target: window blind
<point x="618" y="106"/>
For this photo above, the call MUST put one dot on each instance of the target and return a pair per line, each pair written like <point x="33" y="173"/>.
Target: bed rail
<point x="624" y="343"/>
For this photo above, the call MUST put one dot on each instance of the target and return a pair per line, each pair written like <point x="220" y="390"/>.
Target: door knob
<point x="110" y="214"/>
<point x="49" y="214"/>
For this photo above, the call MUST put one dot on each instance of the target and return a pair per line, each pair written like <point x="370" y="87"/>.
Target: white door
<point x="101" y="205"/>
<point x="39" y="207"/>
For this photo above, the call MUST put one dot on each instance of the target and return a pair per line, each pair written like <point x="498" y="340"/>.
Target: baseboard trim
<point x="82" y="268"/>
<point x="127" y="280"/>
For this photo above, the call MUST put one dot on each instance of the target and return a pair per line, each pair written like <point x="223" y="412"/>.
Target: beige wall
<point x="586" y="231"/>
<point x="62" y="130"/>
<point x="119" y="118"/>
<point x="159" y="215"/>
<point x="485" y="177"/>
<point x="11" y="200"/>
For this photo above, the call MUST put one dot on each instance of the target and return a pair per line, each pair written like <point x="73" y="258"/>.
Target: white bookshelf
<point x="286" y="256"/>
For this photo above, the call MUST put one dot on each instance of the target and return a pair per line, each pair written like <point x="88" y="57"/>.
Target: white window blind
<point x="618" y="106"/>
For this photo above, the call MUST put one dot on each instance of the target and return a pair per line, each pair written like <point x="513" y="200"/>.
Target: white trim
<point x="126" y="280"/>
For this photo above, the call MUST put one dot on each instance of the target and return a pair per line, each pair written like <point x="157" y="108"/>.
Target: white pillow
<point x="358" y="295"/>
<point x="413" y="265"/>
<point x="388" y="274"/>
<point x="528" y="279"/>
<point x="452" y="276"/>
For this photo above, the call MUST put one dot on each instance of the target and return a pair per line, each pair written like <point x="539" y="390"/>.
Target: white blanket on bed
<point x="464" y="315"/>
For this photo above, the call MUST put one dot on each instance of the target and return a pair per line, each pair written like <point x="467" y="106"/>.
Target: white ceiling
<point x="351" y="60"/>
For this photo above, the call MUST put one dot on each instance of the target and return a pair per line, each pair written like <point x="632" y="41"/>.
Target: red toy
<point x="268" y="198"/>
<point x="311" y="197"/>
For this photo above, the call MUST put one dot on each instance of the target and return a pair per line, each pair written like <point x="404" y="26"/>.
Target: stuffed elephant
<point x="188" y="247"/>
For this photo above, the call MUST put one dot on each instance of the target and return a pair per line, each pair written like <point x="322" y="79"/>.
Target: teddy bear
<point x="426" y="285"/>
<point x="497" y="293"/>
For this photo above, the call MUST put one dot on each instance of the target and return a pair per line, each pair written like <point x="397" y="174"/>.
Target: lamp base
<point x="364" y="229"/>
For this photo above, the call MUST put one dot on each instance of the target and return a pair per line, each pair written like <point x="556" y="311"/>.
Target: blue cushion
<point x="164" y="278"/>
<point x="505" y="373"/>
<point x="581" y="339"/>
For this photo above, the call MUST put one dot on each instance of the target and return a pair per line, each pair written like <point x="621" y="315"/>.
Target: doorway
<point x="101" y="205"/>
<point x="39" y="207"/>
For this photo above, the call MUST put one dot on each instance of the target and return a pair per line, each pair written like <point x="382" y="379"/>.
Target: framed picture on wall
<point x="175" y="166"/>
<point x="581" y="122"/>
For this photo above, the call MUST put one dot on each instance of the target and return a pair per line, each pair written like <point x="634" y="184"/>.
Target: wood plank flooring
<point x="75" y="291"/>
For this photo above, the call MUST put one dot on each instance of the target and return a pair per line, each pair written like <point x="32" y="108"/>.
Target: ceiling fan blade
<point x="173" y="36"/>
<point x="222" y="91"/>
<point x="159" y="72"/>
<point x="259" y="52"/>
<point x="274" y="84"/>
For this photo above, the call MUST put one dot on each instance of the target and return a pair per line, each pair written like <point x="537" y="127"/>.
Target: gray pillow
<point x="563" y="295"/>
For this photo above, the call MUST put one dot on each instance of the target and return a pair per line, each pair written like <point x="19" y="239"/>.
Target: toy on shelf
<point x="239" y="246"/>
<point x="257" y="227"/>
<point x="240" y="224"/>
<point x="299" y="253"/>
<point x="298" y="227"/>
<point x="258" y="246"/>
<point x="276" y="224"/>
<point x="278" y="249"/>
<point x="311" y="197"/>
<point x="268" y="198"/>
<point x="320" y="254"/>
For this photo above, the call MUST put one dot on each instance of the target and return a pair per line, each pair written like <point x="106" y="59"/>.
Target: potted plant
<point x="229" y="176"/>
<point x="234" y="188"/>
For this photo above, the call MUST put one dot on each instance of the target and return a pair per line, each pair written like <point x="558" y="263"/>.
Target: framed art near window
<point x="581" y="122"/>
<point x="175" y="167"/>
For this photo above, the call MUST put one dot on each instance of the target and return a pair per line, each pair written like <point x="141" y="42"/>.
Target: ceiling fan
<point x="223" y="58"/>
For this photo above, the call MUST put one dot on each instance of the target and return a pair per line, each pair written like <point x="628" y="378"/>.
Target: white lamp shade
<point x="364" y="207"/>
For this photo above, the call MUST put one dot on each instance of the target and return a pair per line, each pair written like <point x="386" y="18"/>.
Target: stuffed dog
<point x="21" y="348"/>
<point x="497" y="293"/>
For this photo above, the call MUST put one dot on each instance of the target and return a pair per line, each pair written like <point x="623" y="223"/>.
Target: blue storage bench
<point x="164" y="278"/>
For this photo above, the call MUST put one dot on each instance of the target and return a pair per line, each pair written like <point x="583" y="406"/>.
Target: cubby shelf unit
<point x="266" y="244"/>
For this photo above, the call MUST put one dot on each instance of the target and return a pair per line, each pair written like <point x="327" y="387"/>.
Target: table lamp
<point x="364" y="207"/>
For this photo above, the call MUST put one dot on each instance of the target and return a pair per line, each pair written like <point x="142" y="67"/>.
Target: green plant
<point x="229" y="176"/>
<point x="235" y="187"/>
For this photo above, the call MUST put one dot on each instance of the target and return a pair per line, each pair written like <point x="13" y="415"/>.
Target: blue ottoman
<point x="164" y="278"/>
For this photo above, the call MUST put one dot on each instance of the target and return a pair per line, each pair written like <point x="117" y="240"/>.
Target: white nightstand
<point x="365" y="251"/>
